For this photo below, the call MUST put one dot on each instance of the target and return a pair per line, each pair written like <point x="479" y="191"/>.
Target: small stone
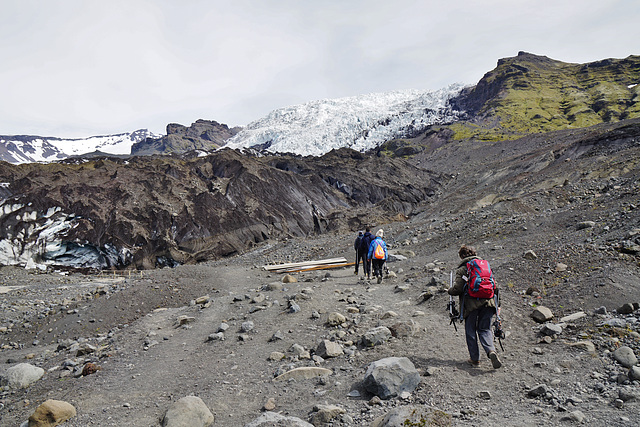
<point x="484" y="394"/>
<point x="276" y="356"/>
<point x="269" y="405"/>
<point x="539" y="390"/>
<point x="247" y="326"/>
<point x="586" y="224"/>
<point x="289" y="279"/>
<point x="336" y="319"/>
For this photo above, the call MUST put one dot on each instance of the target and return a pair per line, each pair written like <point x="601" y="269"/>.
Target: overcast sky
<point x="77" y="68"/>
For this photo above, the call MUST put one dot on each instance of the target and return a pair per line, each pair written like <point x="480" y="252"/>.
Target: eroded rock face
<point x="155" y="211"/>
<point x="201" y="135"/>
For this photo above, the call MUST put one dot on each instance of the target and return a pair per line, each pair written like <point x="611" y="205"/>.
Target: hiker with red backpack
<point x="475" y="285"/>
<point x="378" y="254"/>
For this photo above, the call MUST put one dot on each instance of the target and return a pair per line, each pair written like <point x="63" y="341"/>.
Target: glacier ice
<point x="360" y="122"/>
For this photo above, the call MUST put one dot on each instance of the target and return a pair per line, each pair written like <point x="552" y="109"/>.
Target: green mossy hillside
<point x="534" y="94"/>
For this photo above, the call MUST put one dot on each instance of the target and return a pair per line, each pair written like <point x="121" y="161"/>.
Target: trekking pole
<point x="453" y="311"/>
<point x="497" y="324"/>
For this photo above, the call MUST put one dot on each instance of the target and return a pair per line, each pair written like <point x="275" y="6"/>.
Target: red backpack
<point x="480" y="283"/>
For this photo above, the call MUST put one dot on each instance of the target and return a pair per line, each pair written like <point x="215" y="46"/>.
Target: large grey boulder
<point x="387" y="378"/>
<point x="625" y="356"/>
<point x="190" y="411"/>
<point x="21" y="375"/>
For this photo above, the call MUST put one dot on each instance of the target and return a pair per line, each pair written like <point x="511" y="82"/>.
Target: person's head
<point x="380" y="233"/>
<point x="359" y="233"/>
<point x="466" y="251"/>
<point x="367" y="229"/>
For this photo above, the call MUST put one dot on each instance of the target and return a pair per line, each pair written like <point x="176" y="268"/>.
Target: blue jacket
<point x="372" y="247"/>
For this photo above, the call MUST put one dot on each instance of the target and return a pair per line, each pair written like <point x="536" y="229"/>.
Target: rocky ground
<point x="559" y="237"/>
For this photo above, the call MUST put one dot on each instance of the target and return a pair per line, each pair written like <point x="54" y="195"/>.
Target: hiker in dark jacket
<point x="378" y="263"/>
<point x="367" y="237"/>
<point x="359" y="253"/>
<point x="477" y="313"/>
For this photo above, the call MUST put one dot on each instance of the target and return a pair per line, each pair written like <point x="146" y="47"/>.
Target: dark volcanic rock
<point x="150" y="211"/>
<point x="201" y="135"/>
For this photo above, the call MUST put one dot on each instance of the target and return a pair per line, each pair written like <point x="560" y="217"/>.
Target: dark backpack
<point x="480" y="283"/>
<point x="356" y="244"/>
<point x="365" y="242"/>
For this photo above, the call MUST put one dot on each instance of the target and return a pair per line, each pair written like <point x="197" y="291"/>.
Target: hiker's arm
<point x="458" y="284"/>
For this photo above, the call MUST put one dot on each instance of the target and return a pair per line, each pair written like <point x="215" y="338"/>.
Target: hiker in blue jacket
<point x="367" y="237"/>
<point x="378" y="254"/>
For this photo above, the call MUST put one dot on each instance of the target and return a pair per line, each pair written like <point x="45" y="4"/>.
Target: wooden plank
<point x="316" y="267"/>
<point x="304" y="263"/>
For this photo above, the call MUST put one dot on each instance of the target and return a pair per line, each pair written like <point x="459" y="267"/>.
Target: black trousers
<point x="377" y="267"/>
<point x="366" y="268"/>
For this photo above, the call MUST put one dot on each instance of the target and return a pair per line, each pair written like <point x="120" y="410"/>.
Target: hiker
<point x="476" y="310"/>
<point x="367" y="237"/>
<point x="378" y="254"/>
<point x="359" y="253"/>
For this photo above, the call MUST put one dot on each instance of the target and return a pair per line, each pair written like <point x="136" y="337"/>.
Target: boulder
<point x="21" y="375"/>
<point x="52" y="413"/>
<point x="190" y="411"/>
<point x="390" y="377"/>
<point x="328" y="349"/>
<point x="626" y="308"/>
<point x="550" y="329"/>
<point x="376" y="336"/>
<point x="625" y="356"/>
<point x="413" y="416"/>
<point x="541" y="314"/>
<point x="336" y="319"/>
<point x="270" y="419"/>
<point x="404" y="329"/>
<point x="323" y="414"/>
<point x="287" y="278"/>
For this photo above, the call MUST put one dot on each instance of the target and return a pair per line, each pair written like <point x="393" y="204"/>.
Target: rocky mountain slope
<point x="555" y="214"/>
<point x="204" y="135"/>
<point x="154" y="211"/>
<point x="531" y="93"/>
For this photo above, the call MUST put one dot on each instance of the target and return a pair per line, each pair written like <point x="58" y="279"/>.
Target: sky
<point x="79" y="68"/>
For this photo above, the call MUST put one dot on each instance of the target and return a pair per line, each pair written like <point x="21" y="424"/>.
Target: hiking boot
<point x="495" y="361"/>
<point x="473" y="362"/>
<point x="380" y="278"/>
<point x="355" y="272"/>
<point x="368" y="277"/>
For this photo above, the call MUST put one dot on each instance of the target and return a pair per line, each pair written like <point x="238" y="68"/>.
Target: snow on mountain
<point x="360" y="122"/>
<point x="28" y="149"/>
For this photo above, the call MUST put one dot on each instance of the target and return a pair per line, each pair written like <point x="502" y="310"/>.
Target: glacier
<point x="361" y="122"/>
